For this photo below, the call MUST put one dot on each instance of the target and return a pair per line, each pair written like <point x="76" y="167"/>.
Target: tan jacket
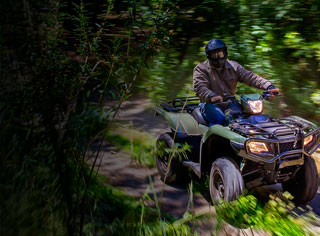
<point x="209" y="82"/>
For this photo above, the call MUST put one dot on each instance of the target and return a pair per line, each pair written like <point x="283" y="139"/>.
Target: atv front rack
<point x="181" y="104"/>
<point x="274" y="129"/>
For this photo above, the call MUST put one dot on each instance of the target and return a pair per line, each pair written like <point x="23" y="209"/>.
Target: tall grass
<point x="138" y="144"/>
<point x="59" y="64"/>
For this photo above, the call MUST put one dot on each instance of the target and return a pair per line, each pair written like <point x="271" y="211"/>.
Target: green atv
<point x="249" y="151"/>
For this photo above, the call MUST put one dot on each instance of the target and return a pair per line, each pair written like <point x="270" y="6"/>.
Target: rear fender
<point x="180" y="121"/>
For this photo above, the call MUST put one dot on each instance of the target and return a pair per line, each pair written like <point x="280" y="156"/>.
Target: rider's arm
<point x="201" y="84"/>
<point x="251" y="78"/>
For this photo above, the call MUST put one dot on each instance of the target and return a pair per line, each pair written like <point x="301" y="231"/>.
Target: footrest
<point x="194" y="166"/>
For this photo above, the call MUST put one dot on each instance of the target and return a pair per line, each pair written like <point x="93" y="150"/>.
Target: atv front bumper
<point x="268" y="168"/>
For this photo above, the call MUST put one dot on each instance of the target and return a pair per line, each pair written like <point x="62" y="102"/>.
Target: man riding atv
<point x="248" y="150"/>
<point x="218" y="76"/>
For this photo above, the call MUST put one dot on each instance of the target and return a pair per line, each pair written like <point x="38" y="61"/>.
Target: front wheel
<point x="303" y="186"/>
<point x="226" y="181"/>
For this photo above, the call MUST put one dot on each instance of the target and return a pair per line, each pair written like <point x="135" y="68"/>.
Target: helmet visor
<point x="217" y="54"/>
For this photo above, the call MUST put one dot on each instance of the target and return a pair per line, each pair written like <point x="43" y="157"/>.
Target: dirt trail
<point x="136" y="180"/>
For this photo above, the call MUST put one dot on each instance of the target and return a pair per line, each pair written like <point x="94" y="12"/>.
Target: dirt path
<point x="136" y="180"/>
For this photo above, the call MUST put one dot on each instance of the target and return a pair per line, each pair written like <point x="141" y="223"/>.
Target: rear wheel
<point x="226" y="181"/>
<point x="303" y="186"/>
<point x="170" y="171"/>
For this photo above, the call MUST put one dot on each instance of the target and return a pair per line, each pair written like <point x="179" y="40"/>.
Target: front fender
<point x="224" y="132"/>
<point x="225" y="142"/>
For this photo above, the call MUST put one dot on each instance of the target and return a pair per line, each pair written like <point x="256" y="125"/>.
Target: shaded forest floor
<point x="136" y="118"/>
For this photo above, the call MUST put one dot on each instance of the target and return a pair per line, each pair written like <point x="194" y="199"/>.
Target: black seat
<point x="198" y="116"/>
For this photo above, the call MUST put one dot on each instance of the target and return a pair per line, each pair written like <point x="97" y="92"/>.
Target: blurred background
<point x="277" y="40"/>
<point x="79" y="83"/>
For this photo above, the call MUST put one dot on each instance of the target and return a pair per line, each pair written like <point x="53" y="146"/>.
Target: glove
<point x="271" y="87"/>
<point x="216" y="99"/>
<point x="273" y="90"/>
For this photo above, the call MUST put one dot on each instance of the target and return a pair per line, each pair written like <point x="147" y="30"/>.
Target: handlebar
<point x="227" y="100"/>
<point x="224" y="104"/>
<point x="270" y="94"/>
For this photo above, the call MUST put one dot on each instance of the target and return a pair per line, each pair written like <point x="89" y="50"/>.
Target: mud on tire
<point x="176" y="172"/>
<point x="225" y="181"/>
<point x="303" y="186"/>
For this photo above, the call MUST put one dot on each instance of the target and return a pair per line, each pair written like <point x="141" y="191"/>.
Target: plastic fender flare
<point x="224" y="132"/>
<point x="180" y="121"/>
<point x="221" y="132"/>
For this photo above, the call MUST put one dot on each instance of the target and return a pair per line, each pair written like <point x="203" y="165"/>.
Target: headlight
<point x="257" y="147"/>
<point x="255" y="106"/>
<point x="307" y="140"/>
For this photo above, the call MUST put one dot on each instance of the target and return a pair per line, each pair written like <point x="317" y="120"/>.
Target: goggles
<point x="219" y="54"/>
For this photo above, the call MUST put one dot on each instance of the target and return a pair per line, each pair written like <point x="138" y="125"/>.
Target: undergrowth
<point x="60" y="62"/>
<point x="140" y="149"/>
<point x="277" y="216"/>
<point x="115" y="213"/>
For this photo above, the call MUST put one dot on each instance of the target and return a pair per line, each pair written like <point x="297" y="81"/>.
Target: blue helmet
<point x="216" y="52"/>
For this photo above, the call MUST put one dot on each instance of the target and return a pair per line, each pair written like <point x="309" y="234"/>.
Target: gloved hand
<point x="273" y="90"/>
<point x="216" y="99"/>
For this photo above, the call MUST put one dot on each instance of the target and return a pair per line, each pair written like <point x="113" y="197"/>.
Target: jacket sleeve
<point x="252" y="79"/>
<point x="201" y="84"/>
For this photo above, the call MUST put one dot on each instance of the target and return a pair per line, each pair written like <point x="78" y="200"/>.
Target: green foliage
<point x="315" y="97"/>
<point x="177" y="151"/>
<point x="278" y="41"/>
<point x="59" y="64"/>
<point x="140" y="152"/>
<point x="142" y="149"/>
<point x="118" y="214"/>
<point x="276" y="216"/>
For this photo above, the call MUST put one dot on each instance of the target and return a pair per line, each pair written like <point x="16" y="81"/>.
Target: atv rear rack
<point x="181" y="104"/>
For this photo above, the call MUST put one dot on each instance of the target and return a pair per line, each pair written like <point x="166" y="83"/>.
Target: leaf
<point x="315" y="97"/>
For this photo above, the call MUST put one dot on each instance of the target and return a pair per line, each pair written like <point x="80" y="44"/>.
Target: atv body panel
<point x="180" y="122"/>
<point x="223" y="132"/>
<point x="283" y="138"/>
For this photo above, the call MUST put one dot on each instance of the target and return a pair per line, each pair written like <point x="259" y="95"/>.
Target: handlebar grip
<point x="269" y="94"/>
<point x="274" y="91"/>
<point x="226" y="103"/>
